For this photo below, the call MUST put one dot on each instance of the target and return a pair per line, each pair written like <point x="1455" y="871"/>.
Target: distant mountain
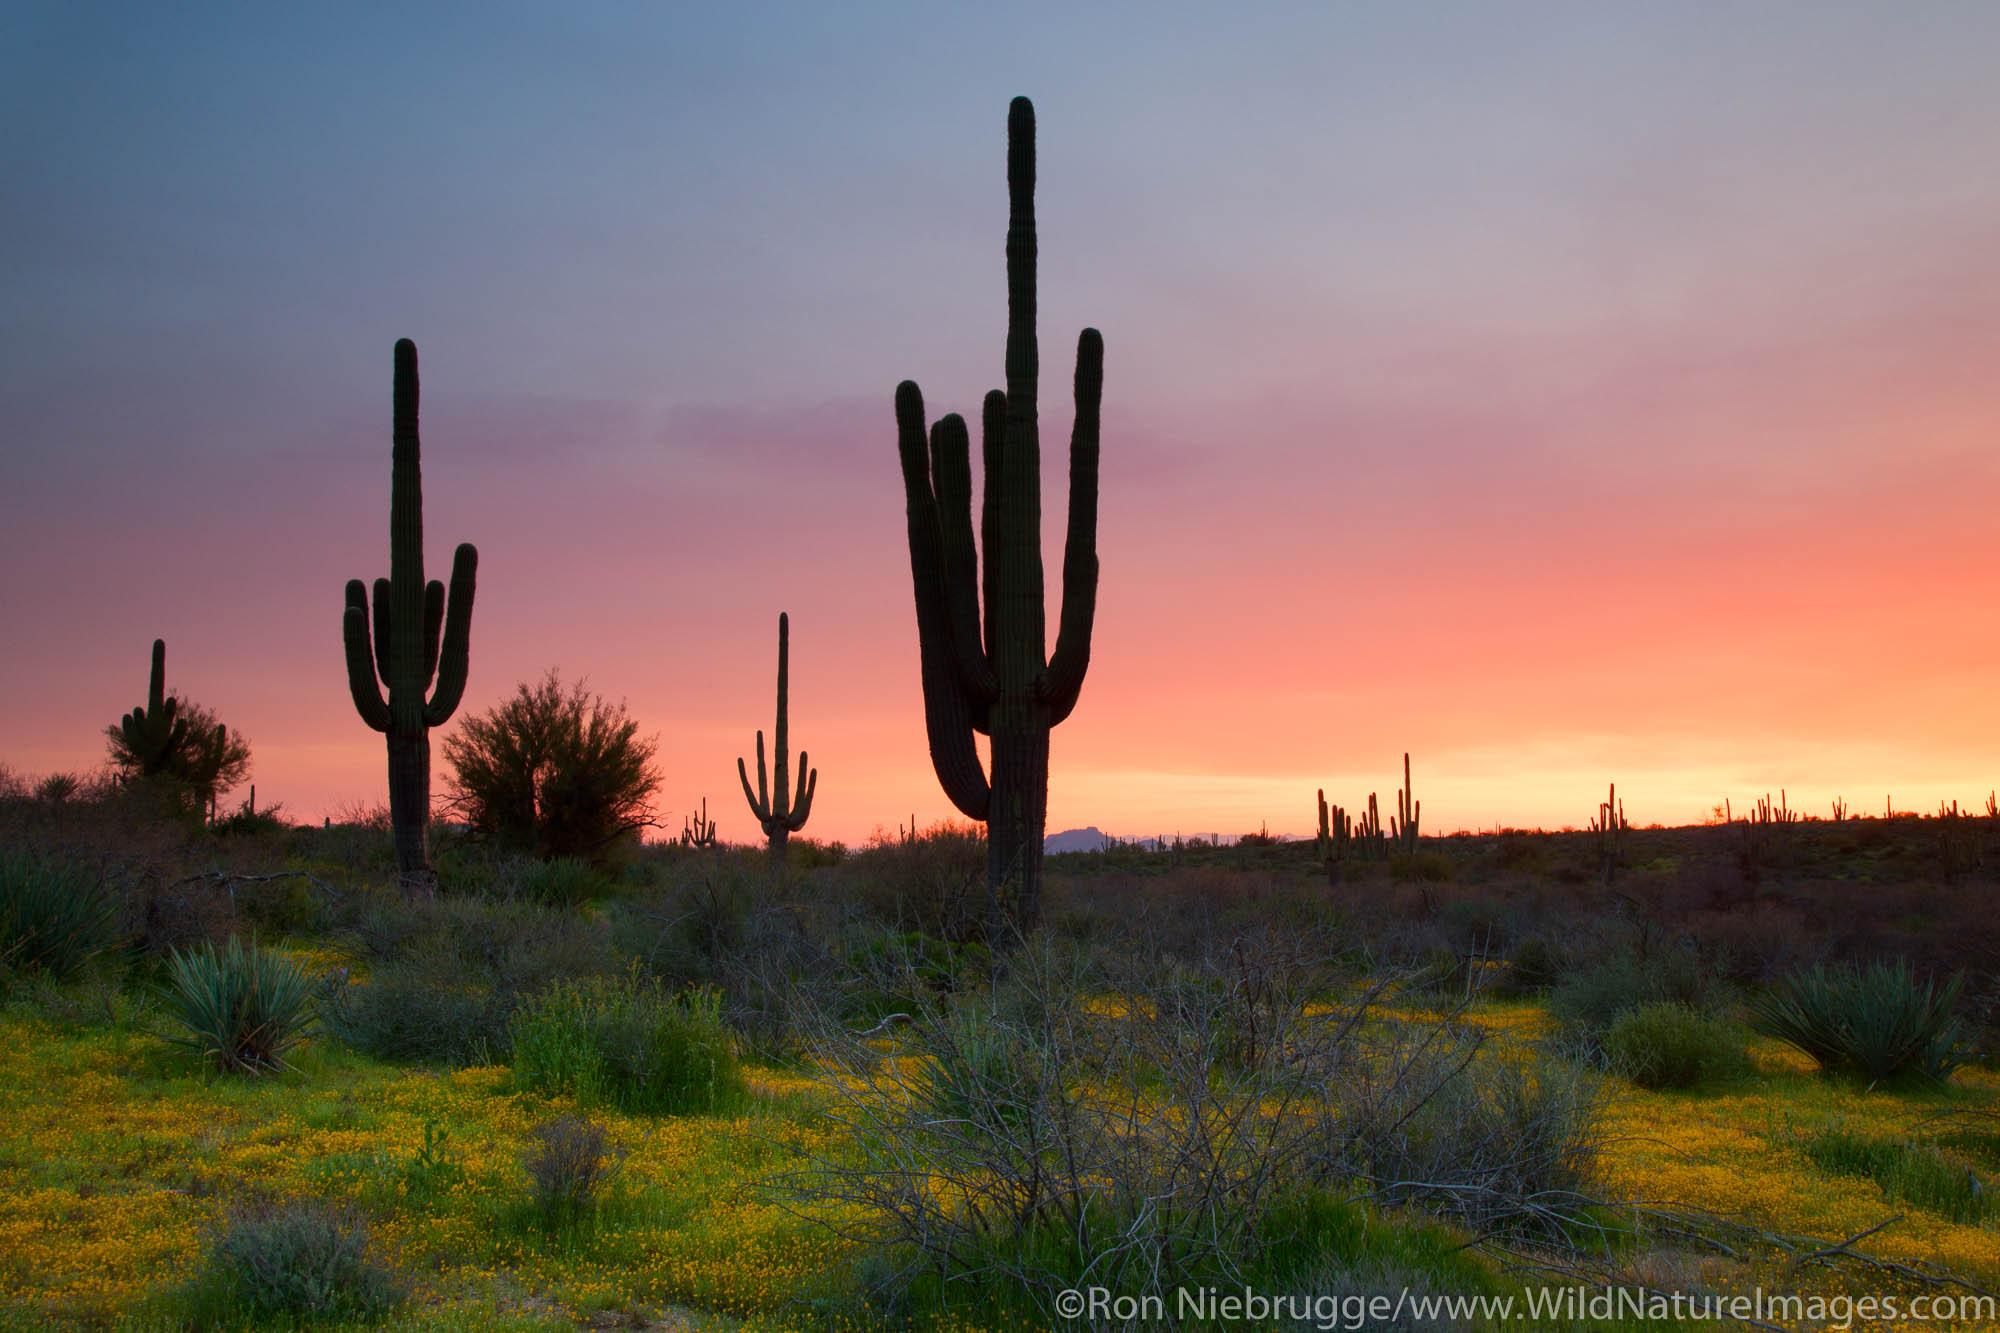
<point x="1074" y="840"/>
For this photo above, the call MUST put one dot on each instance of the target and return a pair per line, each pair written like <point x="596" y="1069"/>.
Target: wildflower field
<point x="1473" y="1074"/>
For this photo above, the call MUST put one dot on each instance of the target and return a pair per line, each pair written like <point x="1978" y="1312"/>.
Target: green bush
<point x="446" y="977"/>
<point x="296" y="1259"/>
<point x="1922" y="1174"/>
<point x="1590" y="999"/>
<point x="559" y="772"/>
<point x="567" y="881"/>
<point x="1880" y="1022"/>
<point x="1667" y="1045"/>
<point x="54" y="916"/>
<point x="429" y="1005"/>
<point x="243" y="1008"/>
<point x="627" y="1043"/>
<point x="1534" y="968"/>
<point x="570" y="1162"/>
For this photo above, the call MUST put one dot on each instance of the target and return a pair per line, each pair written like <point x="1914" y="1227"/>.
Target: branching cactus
<point x="780" y="814"/>
<point x="1369" y="839"/>
<point x="992" y="678"/>
<point x="1403" y="824"/>
<point x="156" y="733"/>
<point x="698" y="830"/>
<point x="416" y="639"/>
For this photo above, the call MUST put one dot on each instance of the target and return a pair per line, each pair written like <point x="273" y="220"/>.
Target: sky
<point x="1564" y="394"/>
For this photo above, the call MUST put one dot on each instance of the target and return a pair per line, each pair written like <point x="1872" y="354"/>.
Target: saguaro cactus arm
<point x="1064" y="681"/>
<point x="760" y="800"/>
<point x="361" y="668"/>
<point x="454" y="662"/>
<point x="948" y="715"/>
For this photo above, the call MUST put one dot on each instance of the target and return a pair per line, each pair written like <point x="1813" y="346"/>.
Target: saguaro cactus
<point x="1002" y="687"/>
<point x="409" y="615"/>
<point x="779" y="819"/>
<point x="156" y="733"/>
<point x="1336" y="833"/>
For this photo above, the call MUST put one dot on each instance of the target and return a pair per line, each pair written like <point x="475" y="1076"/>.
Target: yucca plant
<point x="54" y="915"/>
<point x="1880" y="1022"/>
<point x="244" y="1008"/>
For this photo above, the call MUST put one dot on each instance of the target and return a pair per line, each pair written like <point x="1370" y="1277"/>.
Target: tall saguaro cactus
<point x="409" y="615"/>
<point x="999" y="684"/>
<point x="156" y="733"/>
<point x="780" y="814"/>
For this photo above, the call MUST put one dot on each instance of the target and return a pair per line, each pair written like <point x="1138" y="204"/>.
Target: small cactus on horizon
<point x="1336" y="834"/>
<point x="698" y="830"/>
<point x="407" y="652"/>
<point x="1369" y="839"/>
<point x="1606" y="829"/>
<point x="1403" y="824"/>
<point x="779" y="814"/>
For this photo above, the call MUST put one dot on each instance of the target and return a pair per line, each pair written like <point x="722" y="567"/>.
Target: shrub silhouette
<point x="558" y="772"/>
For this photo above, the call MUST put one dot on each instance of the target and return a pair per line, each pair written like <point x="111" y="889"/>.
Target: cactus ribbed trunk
<point x="990" y="676"/>
<point x="407" y="652"/>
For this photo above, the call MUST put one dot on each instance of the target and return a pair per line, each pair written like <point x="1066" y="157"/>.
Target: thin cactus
<point x="407" y="652"/>
<point x="778" y="813"/>
<point x="698" y="830"/>
<point x="1403" y="824"/>
<point x="1606" y="829"/>
<point x="1839" y="811"/>
<point x="1369" y="839"/>
<point x="993" y="678"/>
<point x="155" y="734"/>
<point x="1336" y="835"/>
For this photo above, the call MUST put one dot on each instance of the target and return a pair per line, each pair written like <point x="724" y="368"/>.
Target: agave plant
<point x="1879" y="1022"/>
<point x="54" y="915"/>
<point x="244" y="1008"/>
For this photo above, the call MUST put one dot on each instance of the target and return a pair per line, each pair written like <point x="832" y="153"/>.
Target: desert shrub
<point x="242" y="1008"/>
<point x="560" y="773"/>
<point x="1880" y="1021"/>
<point x="290" y="905"/>
<point x="1923" y="1174"/>
<point x="55" y="916"/>
<point x="1534" y="967"/>
<point x="429" y="1005"/>
<point x="446" y="977"/>
<point x="296" y="1259"/>
<point x="247" y="823"/>
<point x="1421" y="867"/>
<point x="627" y="1043"/>
<point x="1040" y="1137"/>
<point x="1591" y="998"/>
<point x="567" y="881"/>
<point x="1497" y="1144"/>
<point x="569" y="1161"/>
<point x="1665" y="1045"/>
<point x="1342" y="1264"/>
<point x="934" y="882"/>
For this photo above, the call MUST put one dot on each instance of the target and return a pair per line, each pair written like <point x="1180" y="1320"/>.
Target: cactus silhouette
<point x="156" y="733"/>
<point x="779" y="819"/>
<point x="409" y="615"/>
<point x="1001" y="686"/>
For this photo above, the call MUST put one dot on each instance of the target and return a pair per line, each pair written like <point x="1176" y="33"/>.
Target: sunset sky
<point x="1564" y="394"/>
